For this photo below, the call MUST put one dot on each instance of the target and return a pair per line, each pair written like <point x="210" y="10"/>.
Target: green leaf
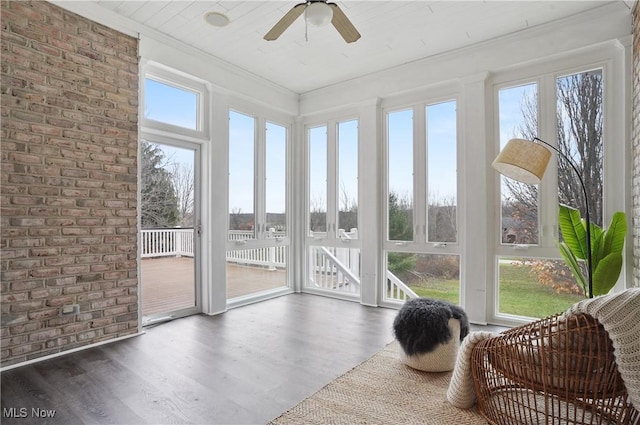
<point x="606" y="248"/>
<point x="573" y="231"/>
<point x="615" y="234"/>
<point x="573" y="264"/>
<point x="596" y="232"/>
<point x="607" y="273"/>
<point x="597" y="249"/>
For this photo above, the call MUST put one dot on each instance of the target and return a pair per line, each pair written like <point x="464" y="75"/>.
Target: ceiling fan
<point x="319" y="13"/>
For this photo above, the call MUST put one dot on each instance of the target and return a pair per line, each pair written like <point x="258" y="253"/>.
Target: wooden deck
<point x="168" y="283"/>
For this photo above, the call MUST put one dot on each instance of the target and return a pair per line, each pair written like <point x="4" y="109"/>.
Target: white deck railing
<point x="271" y="257"/>
<point x="333" y="268"/>
<point x="167" y="242"/>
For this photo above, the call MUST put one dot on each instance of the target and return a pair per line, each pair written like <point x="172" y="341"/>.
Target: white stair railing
<point x="326" y="271"/>
<point x="397" y="289"/>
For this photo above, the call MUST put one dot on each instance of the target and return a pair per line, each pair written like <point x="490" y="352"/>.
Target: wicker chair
<point x="558" y="370"/>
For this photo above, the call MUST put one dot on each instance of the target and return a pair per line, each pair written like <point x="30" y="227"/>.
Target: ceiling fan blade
<point x="343" y="24"/>
<point x="285" y="21"/>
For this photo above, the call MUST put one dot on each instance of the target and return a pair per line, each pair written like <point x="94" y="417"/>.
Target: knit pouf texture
<point x="442" y="359"/>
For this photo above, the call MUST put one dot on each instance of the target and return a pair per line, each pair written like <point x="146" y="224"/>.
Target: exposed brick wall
<point x="636" y="145"/>
<point x="69" y="165"/>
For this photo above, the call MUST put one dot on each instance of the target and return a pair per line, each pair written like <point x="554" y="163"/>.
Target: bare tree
<point x="442" y="218"/>
<point x="520" y="201"/>
<point x="235" y="222"/>
<point x="183" y="183"/>
<point x="579" y="135"/>
<point x="348" y="211"/>
<point x="580" y="138"/>
<point x="317" y="215"/>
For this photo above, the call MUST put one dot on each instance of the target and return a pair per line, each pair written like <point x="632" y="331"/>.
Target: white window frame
<point x="170" y="77"/>
<point x="261" y="118"/>
<point x="614" y="99"/>
<point x="420" y="243"/>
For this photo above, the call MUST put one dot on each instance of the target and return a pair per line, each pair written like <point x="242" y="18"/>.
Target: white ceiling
<point x="393" y="32"/>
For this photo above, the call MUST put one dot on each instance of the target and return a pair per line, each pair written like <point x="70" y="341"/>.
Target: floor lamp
<point x="526" y="161"/>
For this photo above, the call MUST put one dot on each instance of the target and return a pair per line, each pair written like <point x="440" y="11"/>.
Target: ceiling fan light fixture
<point x="318" y="14"/>
<point x="217" y="19"/>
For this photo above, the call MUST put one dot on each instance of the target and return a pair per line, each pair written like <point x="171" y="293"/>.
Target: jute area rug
<point x="382" y="390"/>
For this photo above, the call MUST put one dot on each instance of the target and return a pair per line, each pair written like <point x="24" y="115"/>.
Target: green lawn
<point x="520" y="293"/>
<point x="447" y="290"/>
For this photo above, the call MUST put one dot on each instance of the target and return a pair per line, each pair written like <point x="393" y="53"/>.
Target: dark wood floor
<point x="246" y="366"/>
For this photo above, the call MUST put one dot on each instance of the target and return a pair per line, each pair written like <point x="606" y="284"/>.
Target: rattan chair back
<point x="558" y="370"/>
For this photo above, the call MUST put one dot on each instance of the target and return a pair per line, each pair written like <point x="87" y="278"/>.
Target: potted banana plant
<point x="606" y="249"/>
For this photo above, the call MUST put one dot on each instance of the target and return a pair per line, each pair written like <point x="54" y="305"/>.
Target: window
<point x="317" y="192"/>
<point x="534" y="282"/>
<point x="257" y="253"/>
<point x="400" y="175"/>
<point x="173" y="103"/>
<point x="580" y="120"/>
<point x="276" y="180"/>
<point x="442" y="172"/>
<point x="242" y="218"/>
<point x="347" y="139"/>
<point x="333" y="246"/>
<point x="518" y="118"/>
<point x="170" y="104"/>
<point x="422" y="256"/>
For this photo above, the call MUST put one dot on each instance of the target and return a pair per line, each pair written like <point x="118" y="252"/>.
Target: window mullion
<point x="548" y="189"/>
<point x="420" y="183"/>
<point x="332" y="184"/>
<point x="260" y="176"/>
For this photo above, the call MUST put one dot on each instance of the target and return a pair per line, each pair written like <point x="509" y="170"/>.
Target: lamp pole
<point x="587" y="218"/>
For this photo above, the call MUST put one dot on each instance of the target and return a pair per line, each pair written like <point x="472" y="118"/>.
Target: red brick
<point x="44" y="335"/>
<point x="27" y="221"/>
<point x="69" y="131"/>
<point x="44" y="314"/>
<point x="26" y="263"/>
<point x="45" y="272"/>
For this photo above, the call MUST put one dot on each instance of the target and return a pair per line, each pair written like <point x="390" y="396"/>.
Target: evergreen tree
<point x="400" y="229"/>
